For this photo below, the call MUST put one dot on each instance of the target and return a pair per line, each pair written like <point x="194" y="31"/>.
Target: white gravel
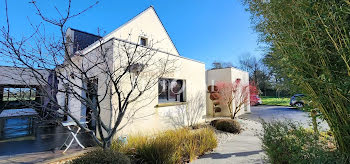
<point x="248" y="127"/>
<point x="237" y="148"/>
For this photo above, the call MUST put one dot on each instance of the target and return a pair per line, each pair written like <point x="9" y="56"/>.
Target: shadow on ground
<point x="45" y="138"/>
<point x="229" y="155"/>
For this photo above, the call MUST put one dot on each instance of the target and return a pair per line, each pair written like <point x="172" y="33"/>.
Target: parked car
<point x="255" y="100"/>
<point x="297" y="100"/>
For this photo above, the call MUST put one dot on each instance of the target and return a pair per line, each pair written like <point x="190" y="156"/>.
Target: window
<point x="17" y="94"/>
<point x="143" y="41"/>
<point x="171" y="90"/>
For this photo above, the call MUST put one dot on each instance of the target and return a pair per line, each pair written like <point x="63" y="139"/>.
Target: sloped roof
<point x="107" y="37"/>
<point x="130" y="20"/>
<point x="80" y="39"/>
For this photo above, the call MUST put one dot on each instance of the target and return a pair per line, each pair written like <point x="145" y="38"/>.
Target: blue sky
<point x="204" y="30"/>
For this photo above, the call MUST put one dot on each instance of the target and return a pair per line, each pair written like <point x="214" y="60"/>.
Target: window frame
<point x="18" y="95"/>
<point x="168" y="98"/>
<point x="145" y="41"/>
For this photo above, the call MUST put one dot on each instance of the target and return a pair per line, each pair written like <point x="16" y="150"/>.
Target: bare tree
<point x="258" y="72"/>
<point x="188" y="114"/>
<point x="109" y="78"/>
<point x="234" y="95"/>
<point x="220" y="65"/>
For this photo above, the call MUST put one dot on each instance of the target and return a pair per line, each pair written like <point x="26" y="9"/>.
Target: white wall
<point x="225" y="75"/>
<point x="69" y="75"/>
<point x="145" y="116"/>
<point x="152" y="116"/>
<point x="146" y="24"/>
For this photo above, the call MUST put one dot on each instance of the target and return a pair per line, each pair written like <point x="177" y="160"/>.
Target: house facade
<point x="177" y="96"/>
<point x="160" y="106"/>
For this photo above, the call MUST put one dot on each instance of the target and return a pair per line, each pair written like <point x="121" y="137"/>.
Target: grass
<point x="172" y="146"/>
<point x="268" y="100"/>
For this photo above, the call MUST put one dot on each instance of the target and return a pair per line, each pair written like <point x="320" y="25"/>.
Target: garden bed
<point x="172" y="146"/>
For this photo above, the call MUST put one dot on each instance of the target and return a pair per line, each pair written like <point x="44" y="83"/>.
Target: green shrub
<point x="101" y="156"/>
<point x="308" y="47"/>
<point x="286" y="142"/>
<point x="227" y="125"/>
<point x="172" y="146"/>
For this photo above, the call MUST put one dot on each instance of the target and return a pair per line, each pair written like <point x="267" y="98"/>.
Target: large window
<point x="171" y="90"/>
<point x="18" y="94"/>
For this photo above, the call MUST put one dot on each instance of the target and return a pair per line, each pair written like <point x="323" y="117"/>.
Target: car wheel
<point x="299" y="105"/>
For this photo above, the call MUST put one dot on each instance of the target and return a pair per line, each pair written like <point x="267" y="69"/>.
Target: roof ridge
<point x="165" y="29"/>
<point x="130" y="20"/>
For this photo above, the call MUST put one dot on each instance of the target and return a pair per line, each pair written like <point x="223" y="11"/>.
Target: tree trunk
<point x="234" y="115"/>
<point x="314" y="122"/>
<point x="106" y="144"/>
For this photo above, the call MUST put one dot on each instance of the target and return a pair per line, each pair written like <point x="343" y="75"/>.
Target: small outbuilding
<point x="230" y="76"/>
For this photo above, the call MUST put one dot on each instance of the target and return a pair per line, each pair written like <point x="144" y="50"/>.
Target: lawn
<point x="268" y="100"/>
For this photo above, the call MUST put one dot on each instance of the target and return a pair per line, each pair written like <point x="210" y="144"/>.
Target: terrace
<point x="24" y="132"/>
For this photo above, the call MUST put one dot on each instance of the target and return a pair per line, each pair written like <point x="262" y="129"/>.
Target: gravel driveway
<point x="246" y="146"/>
<point x="269" y="113"/>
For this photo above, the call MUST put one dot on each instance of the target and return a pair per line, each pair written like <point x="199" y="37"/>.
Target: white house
<point x="158" y="108"/>
<point x="178" y="96"/>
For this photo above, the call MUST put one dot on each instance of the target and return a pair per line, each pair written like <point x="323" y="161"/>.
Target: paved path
<point x="246" y="147"/>
<point x="242" y="148"/>
<point x="43" y="157"/>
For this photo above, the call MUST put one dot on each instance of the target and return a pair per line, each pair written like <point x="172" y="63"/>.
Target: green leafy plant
<point x="308" y="42"/>
<point x="287" y="142"/>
